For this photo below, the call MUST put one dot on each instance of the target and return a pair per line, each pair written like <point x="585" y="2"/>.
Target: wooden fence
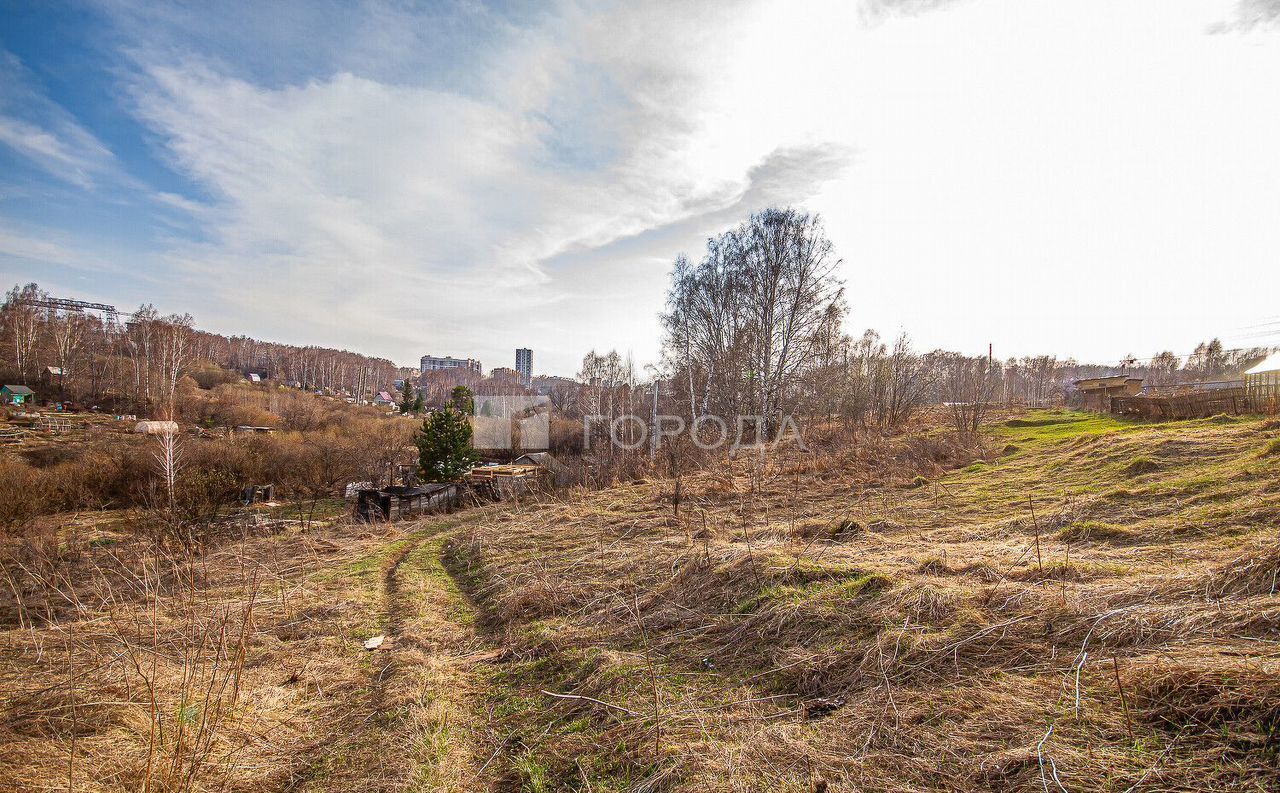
<point x="1187" y="405"/>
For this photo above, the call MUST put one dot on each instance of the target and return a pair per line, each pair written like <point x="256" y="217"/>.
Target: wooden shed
<point x="1262" y="384"/>
<point x="1095" y="393"/>
<point x="397" y="501"/>
<point x="552" y="471"/>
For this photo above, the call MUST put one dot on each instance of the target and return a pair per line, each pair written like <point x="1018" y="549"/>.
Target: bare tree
<point x="168" y="457"/>
<point x="909" y="379"/>
<point x="67" y="330"/>
<point x="172" y="354"/>
<point x="753" y="315"/>
<point x="1163" y="368"/>
<point x="968" y="387"/>
<point x="22" y="325"/>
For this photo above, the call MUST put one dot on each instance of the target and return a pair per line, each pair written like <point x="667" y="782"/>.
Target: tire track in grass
<point x="418" y="726"/>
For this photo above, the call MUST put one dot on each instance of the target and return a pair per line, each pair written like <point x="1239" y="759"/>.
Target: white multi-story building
<point x="434" y="363"/>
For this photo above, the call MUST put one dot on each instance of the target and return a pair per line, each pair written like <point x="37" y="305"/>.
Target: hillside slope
<point x="1094" y="605"/>
<point x="1093" y="608"/>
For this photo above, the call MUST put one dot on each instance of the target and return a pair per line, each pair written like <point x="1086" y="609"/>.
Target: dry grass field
<point x="1081" y="604"/>
<point x="1093" y="607"/>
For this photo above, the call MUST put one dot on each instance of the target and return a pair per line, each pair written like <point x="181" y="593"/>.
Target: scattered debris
<point x="374" y="642"/>
<point x="257" y="494"/>
<point x="822" y="706"/>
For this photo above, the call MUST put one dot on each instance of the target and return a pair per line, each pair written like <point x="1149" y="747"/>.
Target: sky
<point x="1087" y="178"/>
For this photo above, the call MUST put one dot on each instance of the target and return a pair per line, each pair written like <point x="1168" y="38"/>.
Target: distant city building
<point x="505" y="373"/>
<point x="545" y="384"/>
<point x="524" y="364"/>
<point x="432" y="363"/>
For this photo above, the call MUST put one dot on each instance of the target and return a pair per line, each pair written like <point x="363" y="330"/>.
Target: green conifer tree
<point x="444" y="446"/>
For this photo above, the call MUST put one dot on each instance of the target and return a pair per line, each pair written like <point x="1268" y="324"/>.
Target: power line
<point x="1134" y="361"/>
<point x="1273" y="322"/>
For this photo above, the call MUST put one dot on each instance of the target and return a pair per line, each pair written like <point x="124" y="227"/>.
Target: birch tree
<point x="753" y="314"/>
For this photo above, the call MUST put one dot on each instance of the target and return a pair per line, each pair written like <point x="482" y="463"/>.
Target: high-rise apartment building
<point x="524" y="364"/>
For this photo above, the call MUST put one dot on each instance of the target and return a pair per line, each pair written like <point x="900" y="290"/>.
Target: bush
<point x="209" y="375"/>
<point x="25" y="493"/>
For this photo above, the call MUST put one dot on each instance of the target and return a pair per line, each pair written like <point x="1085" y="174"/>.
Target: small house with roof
<point x="17" y="395"/>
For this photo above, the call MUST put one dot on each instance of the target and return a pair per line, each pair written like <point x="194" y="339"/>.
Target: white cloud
<point x="47" y="246"/>
<point x="1249" y="14"/>
<point x="1019" y="167"/>
<point x="442" y="217"/>
<point x="47" y="134"/>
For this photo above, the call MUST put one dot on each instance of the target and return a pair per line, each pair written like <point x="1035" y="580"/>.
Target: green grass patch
<point x="1096" y="531"/>
<point x="1056" y="417"/>
<point x="1223" y="418"/>
<point x="1050" y="426"/>
<point x="781" y="593"/>
<point x="863" y="585"/>
<point x="1139" y="466"/>
<point x="423" y="569"/>
<point x="373" y="563"/>
<point x="534" y="776"/>
<point x="845" y="588"/>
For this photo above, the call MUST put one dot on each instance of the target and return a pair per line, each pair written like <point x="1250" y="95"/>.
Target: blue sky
<point x="1081" y="178"/>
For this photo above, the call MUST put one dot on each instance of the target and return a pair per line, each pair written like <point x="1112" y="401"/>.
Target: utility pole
<point x="653" y="437"/>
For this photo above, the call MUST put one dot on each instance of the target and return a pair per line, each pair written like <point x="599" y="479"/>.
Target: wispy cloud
<point x="44" y="133"/>
<point x="875" y="11"/>
<point x="1250" y="14"/>
<point x="47" y="246"/>
<point x="444" y="209"/>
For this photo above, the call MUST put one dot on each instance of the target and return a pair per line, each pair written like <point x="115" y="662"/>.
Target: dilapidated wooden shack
<point x="397" y="501"/>
<point x="1096" y="393"/>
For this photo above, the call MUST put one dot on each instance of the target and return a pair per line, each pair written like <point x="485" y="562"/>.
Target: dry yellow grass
<point x="1092" y="605"/>
<point x="1056" y="616"/>
<point x="248" y="671"/>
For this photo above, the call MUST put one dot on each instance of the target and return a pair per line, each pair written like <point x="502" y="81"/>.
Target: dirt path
<point x="414" y="727"/>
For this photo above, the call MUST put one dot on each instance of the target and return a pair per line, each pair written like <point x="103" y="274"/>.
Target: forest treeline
<point x="135" y="365"/>
<point x="756" y="327"/>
